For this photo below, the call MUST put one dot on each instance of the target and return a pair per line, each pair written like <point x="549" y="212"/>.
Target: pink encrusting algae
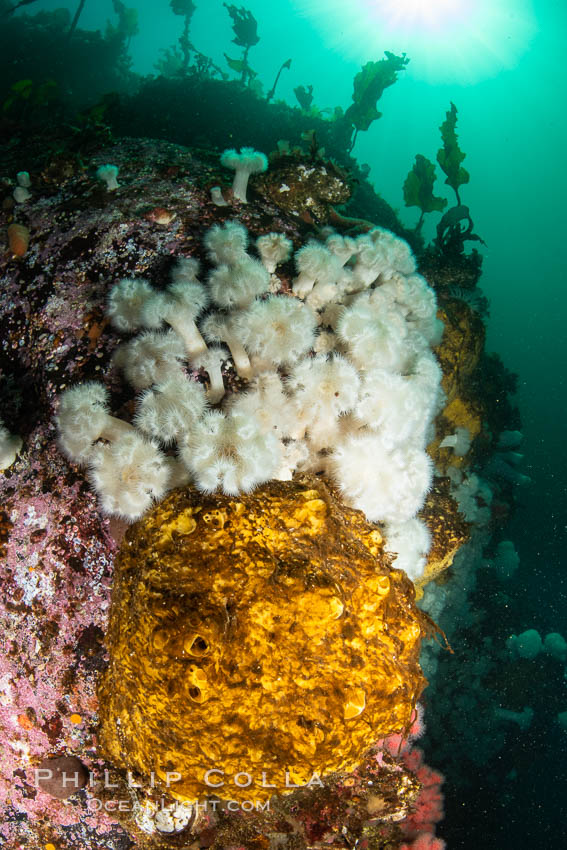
<point x="53" y="609"/>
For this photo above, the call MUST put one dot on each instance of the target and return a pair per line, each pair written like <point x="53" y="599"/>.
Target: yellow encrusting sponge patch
<point x="256" y="634"/>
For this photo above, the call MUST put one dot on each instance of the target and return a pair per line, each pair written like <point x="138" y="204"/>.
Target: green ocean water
<point x="511" y="93"/>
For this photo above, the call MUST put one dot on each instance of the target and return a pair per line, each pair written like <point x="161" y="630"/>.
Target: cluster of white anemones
<point x="340" y="378"/>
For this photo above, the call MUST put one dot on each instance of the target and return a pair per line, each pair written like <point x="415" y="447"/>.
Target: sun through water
<point x="458" y="41"/>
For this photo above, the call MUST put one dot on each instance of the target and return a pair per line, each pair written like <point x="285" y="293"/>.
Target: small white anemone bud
<point x="83" y="418"/>
<point x="126" y="302"/>
<point x="179" y="307"/>
<point x="274" y="248"/>
<point x="108" y="174"/>
<point x="21" y="194"/>
<point x="279" y="329"/>
<point x="10" y="447"/>
<point x="410" y="542"/>
<point x="169" y="410"/>
<point x="217" y="197"/>
<point x="226" y="243"/>
<point x="150" y="358"/>
<point x="245" y="163"/>
<point x="128" y="475"/>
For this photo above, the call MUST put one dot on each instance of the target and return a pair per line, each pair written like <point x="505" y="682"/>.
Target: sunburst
<point x="459" y="41"/>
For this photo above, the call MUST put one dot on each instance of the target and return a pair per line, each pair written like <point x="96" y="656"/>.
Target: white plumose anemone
<point x="170" y="409"/>
<point x="236" y="286"/>
<point x="126" y="302"/>
<point x="226" y="243"/>
<point x="267" y="403"/>
<point x="83" y="418"/>
<point x="274" y="248"/>
<point x="128" y="474"/>
<point x="244" y="164"/>
<point x="219" y="327"/>
<point x="179" y="306"/>
<point x="277" y="329"/>
<point x="388" y="485"/>
<point x="373" y="337"/>
<point x="323" y="389"/>
<point x="150" y="358"/>
<point x="315" y="264"/>
<point x="230" y="452"/>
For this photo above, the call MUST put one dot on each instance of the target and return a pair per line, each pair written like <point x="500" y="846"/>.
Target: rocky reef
<point x="247" y="631"/>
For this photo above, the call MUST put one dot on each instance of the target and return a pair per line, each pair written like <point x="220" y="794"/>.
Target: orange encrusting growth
<point x="18" y="239"/>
